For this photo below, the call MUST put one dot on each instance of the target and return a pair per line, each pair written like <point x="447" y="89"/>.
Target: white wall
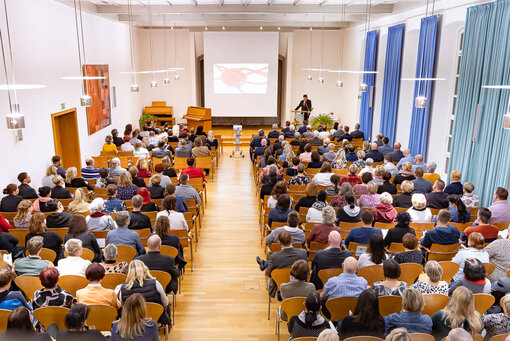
<point x="44" y="45"/>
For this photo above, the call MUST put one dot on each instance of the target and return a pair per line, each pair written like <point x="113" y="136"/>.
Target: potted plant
<point x="146" y="118"/>
<point x="324" y="119"/>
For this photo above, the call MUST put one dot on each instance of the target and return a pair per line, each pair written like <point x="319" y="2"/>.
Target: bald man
<point x="356" y="133"/>
<point x="374" y="153"/>
<point x="407" y="157"/>
<point x="459" y="334"/>
<point x="418" y="163"/>
<point x="332" y="257"/>
<point x="347" y="284"/>
<point x="154" y="260"/>
<point x="259" y="151"/>
<point x="89" y="171"/>
<point x="396" y="154"/>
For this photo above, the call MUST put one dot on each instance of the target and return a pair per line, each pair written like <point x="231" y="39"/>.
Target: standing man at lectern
<point x="305" y="105"/>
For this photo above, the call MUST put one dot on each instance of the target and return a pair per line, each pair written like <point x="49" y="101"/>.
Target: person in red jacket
<point x="385" y="212"/>
<point x="488" y="231"/>
<point x="4" y="224"/>
<point x="192" y="171"/>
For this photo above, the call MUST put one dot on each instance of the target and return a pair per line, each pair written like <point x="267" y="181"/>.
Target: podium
<point x="199" y="116"/>
<point x="161" y="113"/>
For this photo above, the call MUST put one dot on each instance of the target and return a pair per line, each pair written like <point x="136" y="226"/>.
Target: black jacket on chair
<point x="157" y="261"/>
<point x="326" y="259"/>
<point x="59" y="192"/>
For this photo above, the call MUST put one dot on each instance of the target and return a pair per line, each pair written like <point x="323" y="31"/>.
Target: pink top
<point x="305" y="157"/>
<point x="369" y="200"/>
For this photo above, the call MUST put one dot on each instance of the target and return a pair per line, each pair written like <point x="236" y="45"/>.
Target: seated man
<point x="488" y="231"/>
<point x="59" y="219"/>
<point x="32" y="265"/>
<point x="297" y="234"/>
<point x="407" y="157"/>
<point x="161" y="151"/>
<point x="396" y="154"/>
<point x="138" y="220"/>
<point x="385" y="149"/>
<point x="374" y="153"/>
<point x="122" y="235"/>
<point x="192" y="171"/>
<point x="356" y="133"/>
<point x="330" y="155"/>
<point x="185" y="191"/>
<point x="361" y="235"/>
<point x="57" y="161"/>
<point x="25" y="191"/>
<point x="278" y="145"/>
<point x="200" y="150"/>
<point x="420" y="184"/>
<point x="389" y="166"/>
<point x="89" y="172"/>
<point x="116" y="169"/>
<point x="437" y="198"/>
<point x="347" y="284"/>
<point x="345" y="135"/>
<point x="182" y="149"/>
<point x="259" y="151"/>
<point x="331" y="257"/>
<point x="154" y="260"/>
<point x="500" y="208"/>
<point x="274" y="133"/>
<point x="418" y="162"/>
<point x="443" y="233"/>
<point x="315" y="140"/>
<point x="112" y="204"/>
<point x="256" y="142"/>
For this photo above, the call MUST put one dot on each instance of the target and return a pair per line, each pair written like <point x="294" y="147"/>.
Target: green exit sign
<point x="62" y="106"/>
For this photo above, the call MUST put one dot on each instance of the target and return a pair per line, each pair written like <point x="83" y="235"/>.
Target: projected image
<point x="240" y="78"/>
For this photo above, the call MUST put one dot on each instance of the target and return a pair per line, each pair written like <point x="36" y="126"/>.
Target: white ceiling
<point x="246" y="14"/>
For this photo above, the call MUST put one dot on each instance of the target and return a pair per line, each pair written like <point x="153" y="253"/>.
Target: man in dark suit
<point x="374" y="153"/>
<point x="283" y="259"/>
<point x="154" y="260"/>
<point x="25" y="191"/>
<point x="57" y="161"/>
<point x="332" y="257"/>
<point x="274" y="133"/>
<point x="438" y="198"/>
<point x="287" y="127"/>
<point x="305" y="105"/>
<point x="277" y="146"/>
<point x="259" y="151"/>
<point x="138" y="220"/>
<point x="345" y="135"/>
<point x="256" y="142"/>
<point x="396" y="154"/>
<point x="356" y="133"/>
<point x="302" y="129"/>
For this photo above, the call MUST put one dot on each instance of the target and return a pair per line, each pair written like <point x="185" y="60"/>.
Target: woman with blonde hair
<point x="140" y="150"/>
<point x="108" y="145"/>
<point x="398" y="334"/>
<point x="420" y="213"/>
<point x="133" y="325"/>
<point x="51" y="240"/>
<point x="406" y="173"/>
<point x="79" y="204"/>
<point x="411" y="317"/>
<point x="433" y="283"/>
<point x="340" y="160"/>
<point x="125" y="189"/>
<point x="459" y="313"/>
<point x="378" y="175"/>
<point x="23" y="214"/>
<point x="47" y="180"/>
<point x="404" y="199"/>
<point x="168" y="169"/>
<point x="370" y="200"/>
<point x="211" y="140"/>
<point x="139" y="280"/>
<point x="366" y="146"/>
<point x="73" y="181"/>
<point x="143" y="168"/>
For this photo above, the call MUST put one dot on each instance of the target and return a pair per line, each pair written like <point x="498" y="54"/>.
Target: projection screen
<point x="241" y="73"/>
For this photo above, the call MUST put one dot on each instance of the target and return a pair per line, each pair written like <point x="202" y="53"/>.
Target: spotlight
<point x="363" y="87"/>
<point x="321" y="80"/>
<point x="339" y="84"/>
<point x="166" y="80"/>
<point x="261" y="28"/>
<point x="278" y="28"/>
<point x="154" y="84"/>
<point x="177" y="77"/>
<point x="223" y="28"/>
<point x="135" y="88"/>
<point x="309" y="77"/>
<point x="206" y="28"/>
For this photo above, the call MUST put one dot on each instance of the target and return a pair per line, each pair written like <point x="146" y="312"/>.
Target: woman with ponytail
<point x="309" y="323"/>
<point x="10" y="202"/>
<point x="350" y="213"/>
<point x="459" y="212"/>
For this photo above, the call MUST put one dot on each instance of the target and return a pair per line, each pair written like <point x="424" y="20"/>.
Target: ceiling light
<point x="135" y="88"/>
<point x="166" y="80"/>
<point x="223" y="28"/>
<point x="177" y="77"/>
<point x="15" y="119"/>
<point x="205" y="28"/>
<point x="154" y="84"/>
<point x="420" y="102"/>
<point x="261" y="28"/>
<point x="309" y="77"/>
<point x="134" y="85"/>
<point x="339" y="84"/>
<point x="278" y="28"/>
<point x="363" y="87"/>
<point x="321" y="80"/>
<point x="506" y="121"/>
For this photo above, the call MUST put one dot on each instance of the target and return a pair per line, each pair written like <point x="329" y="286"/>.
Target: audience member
<point x="58" y="219"/>
<point x="496" y="324"/>
<point x="396" y="154"/>
<point x="297" y="234"/>
<point x="420" y="213"/>
<point x="23" y="215"/>
<point x="468" y="198"/>
<point x="109" y="146"/>
<point x="390" y="285"/>
<point x="387" y="186"/>
<point x="411" y="254"/>
<point x="314" y="214"/>
<point x="385" y="148"/>
<point x="406" y="157"/>
<point x="432" y="283"/>
<point x="281" y="211"/>
<point x="110" y="263"/>
<point x="161" y="229"/>
<point x="398" y="334"/>
<point x="10" y="202"/>
<point x="418" y="163"/>
<point x="443" y="233"/>
<point x="406" y="173"/>
<point x="126" y="189"/>
<point x="164" y="179"/>
<point x="168" y="169"/>
<point x="310" y="197"/>
<point x="430" y="174"/>
<point x="124" y="236"/>
<point x="112" y="204"/>
<point x="147" y="204"/>
<point x="309" y="323"/>
<point x="320" y="232"/>
<point x="59" y="192"/>
<point x="374" y="153"/>
<point x="89" y="171"/>
<point x="437" y="198"/>
<point x="94" y="293"/>
<point x="349" y="213"/>
<point x="37" y="227"/>
<point x="384" y="212"/>
<point x="360" y="162"/>
<point x="340" y="161"/>
<point x="323" y="178"/>
<point x="474" y="278"/>
<point x="78" y="230"/>
<point x="97" y="220"/>
<point x="51" y="172"/>
<point x="192" y="171"/>
<point x="176" y="219"/>
<point x="365" y="319"/>
<point x="20" y="327"/>
<point x="500" y="208"/>
<point x="499" y="255"/>
<point x="79" y="204"/>
<point x="347" y="284"/>
<point x="362" y="188"/>
<point x="369" y="163"/>
<point x="455" y="187"/>
<point x="279" y="189"/>
<point x="73" y="181"/>
<point x="420" y="184"/>
<point x="411" y="317"/>
<point x="32" y="265"/>
<point x="25" y="191"/>
<point x="396" y="233"/>
<point x="389" y="166"/>
<point x="374" y="254"/>
<point x="143" y="168"/>
<point x="339" y="194"/>
<point x="361" y="235"/>
<point x="39" y="205"/>
<point x="104" y="178"/>
<point x="57" y="162"/>
<point x="473" y="251"/>
<point x="126" y="146"/>
<point x="73" y="264"/>
<point x="51" y="295"/>
<point x="187" y="192"/>
<point x="404" y="199"/>
<point x="356" y="133"/>
<point x="138" y="220"/>
<point x="331" y="257"/>
<point x="116" y="170"/>
<point x="10" y="300"/>
<point x="370" y="200"/>
<point x="300" y="178"/>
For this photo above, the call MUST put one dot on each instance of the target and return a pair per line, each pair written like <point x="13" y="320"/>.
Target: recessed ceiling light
<point x="223" y="28"/>
<point x="206" y="28"/>
<point x="278" y="28"/>
<point x="261" y="28"/>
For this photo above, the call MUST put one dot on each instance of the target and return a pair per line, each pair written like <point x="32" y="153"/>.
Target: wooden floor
<point x="225" y="297"/>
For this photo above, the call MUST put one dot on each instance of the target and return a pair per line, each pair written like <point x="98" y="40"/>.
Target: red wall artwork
<point x="99" y="114"/>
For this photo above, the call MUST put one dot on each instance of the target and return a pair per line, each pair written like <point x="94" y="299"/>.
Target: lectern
<point x="199" y="116"/>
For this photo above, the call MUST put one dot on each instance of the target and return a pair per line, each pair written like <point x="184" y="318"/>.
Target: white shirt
<point x="391" y="168"/>
<point x="424" y="216"/>
<point x="141" y="152"/>
<point x="322" y="179"/>
<point x="126" y="147"/>
<point x="367" y="170"/>
<point x="271" y="202"/>
<point x="366" y="260"/>
<point x="324" y="134"/>
<point x="463" y="255"/>
<point x="314" y="216"/>
<point x="72" y="266"/>
<point x="48" y="181"/>
<point x="176" y="219"/>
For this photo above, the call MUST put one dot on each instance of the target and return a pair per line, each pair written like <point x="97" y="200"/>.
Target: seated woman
<point x="365" y="319"/>
<point x="156" y="190"/>
<point x="430" y="174"/>
<point x="474" y="250"/>
<point x="139" y="280"/>
<point x="350" y="154"/>
<point x="300" y="178"/>
<point x="109" y="146"/>
<point x="270" y="166"/>
<point x="360" y="162"/>
<point x="316" y="160"/>
<point x="125" y="189"/>
<point x="310" y="321"/>
<point x="362" y="188"/>
<point x="161" y="228"/>
<point x="306" y="155"/>
<point x="147" y="204"/>
<point x="287" y="155"/>
<point x="496" y="324"/>
<point x="459" y="212"/>
<point x="411" y="254"/>
<point x="340" y="161"/>
<point x="298" y="285"/>
<point x="406" y="173"/>
<point x="94" y="293"/>
<point x="411" y="317"/>
<point x="20" y="327"/>
<point x="339" y="199"/>
<point x="51" y="295"/>
<point x="378" y="175"/>
<point x="112" y="204"/>
<point x="134" y="177"/>
<point x="375" y="254"/>
<point x="176" y="219"/>
<point x="168" y="169"/>
<point x="23" y="214"/>
<point x="404" y="199"/>
<point x="79" y="204"/>
<point x="370" y="200"/>
<point x="140" y="150"/>
<point x="350" y="213"/>
<point x="314" y="214"/>
<point x="39" y="205"/>
<point x="335" y="188"/>
<point x="37" y="227"/>
<point x="47" y="180"/>
<point x="292" y="165"/>
<point x="272" y="178"/>
<point x="459" y="313"/>
<point x="384" y="212"/>
<point x="387" y="186"/>
<point x="320" y="232"/>
<point x="133" y="324"/>
<point x="58" y="219"/>
<point x="143" y="168"/>
<point x="368" y="167"/>
<point x="10" y="300"/>
<point x="420" y="213"/>
<point x="474" y="278"/>
<point x="433" y="283"/>
<point x="78" y="230"/>
<point x="73" y="181"/>
<point x="127" y="146"/>
<point x="97" y="220"/>
<point x="281" y="211"/>
<point x="110" y="264"/>
<point x="73" y="264"/>
<point x="211" y="140"/>
<point x="59" y="192"/>
<point x="323" y="178"/>
<point x="391" y="285"/>
<point x="396" y="233"/>
<point x="75" y="321"/>
<point x="10" y="202"/>
<point x="278" y="189"/>
<point x="310" y="197"/>
<point x="181" y="203"/>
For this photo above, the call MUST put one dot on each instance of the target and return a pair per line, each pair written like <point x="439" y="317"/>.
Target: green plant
<point x="145" y="118"/>
<point x="323" y="119"/>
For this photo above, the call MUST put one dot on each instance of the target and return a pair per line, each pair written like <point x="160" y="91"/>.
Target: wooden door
<point x="67" y="138"/>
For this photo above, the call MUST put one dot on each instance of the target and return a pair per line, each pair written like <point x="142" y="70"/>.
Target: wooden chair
<point x="421" y="337"/>
<point x="279" y="276"/>
<point x="186" y="240"/>
<point x="489" y="267"/>
<point x="49" y="315"/>
<point x="86" y="254"/>
<point x="110" y="281"/>
<point x="422" y="226"/>
<point x="144" y="235"/>
<point x="340" y="307"/>
<point x="164" y="279"/>
<point x="154" y="311"/>
<point x="101" y="317"/>
<point x="363" y="338"/>
<point x="125" y="253"/>
<point x="440" y="252"/>
<point x="502" y="226"/>
<point x="291" y="307"/>
<point x="206" y="163"/>
<point x="501" y="337"/>
<point x="169" y="251"/>
<point x="4" y="315"/>
<point x="180" y="163"/>
<point x="434" y="303"/>
<point x="384" y="226"/>
<point x="396" y="248"/>
<point x="483" y="302"/>
<point x="326" y="274"/>
<point x="72" y="283"/>
<point x="372" y="273"/>
<point x="449" y="270"/>
<point x="28" y="284"/>
<point x="349" y="226"/>
<point x="410" y="272"/>
<point x="46" y="254"/>
<point x="389" y="304"/>
<point x="60" y="231"/>
<point x="20" y="235"/>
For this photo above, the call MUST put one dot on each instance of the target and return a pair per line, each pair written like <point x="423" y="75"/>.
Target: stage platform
<point x="227" y="133"/>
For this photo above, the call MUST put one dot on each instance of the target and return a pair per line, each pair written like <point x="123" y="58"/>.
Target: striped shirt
<point x="344" y="285"/>
<point x="90" y="172"/>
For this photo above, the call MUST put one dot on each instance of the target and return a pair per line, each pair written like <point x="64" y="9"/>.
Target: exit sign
<point x="62" y="106"/>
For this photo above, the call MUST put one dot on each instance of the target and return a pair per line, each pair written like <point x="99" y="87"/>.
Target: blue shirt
<point x="181" y="205"/>
<point x="455" y="215"/>
<point x="454" y="188"/>
<point x="404" y="159"/>
<point x="441" y="235"/>
<point x="413" y="322"/>
<point x="361" y="235"/>
<point x="422" y="186"/>
<point x="112" y="205"/>
<point x="385" y="149"/>
<point x="302" y="130"/>
<point x="344" y="285"/>
<point x="421" y="165"/>
<point x="351" y="157"/>
<point x="90" y="172"/>
<point x="276" y="215"/>
<point x="124" y="236"/>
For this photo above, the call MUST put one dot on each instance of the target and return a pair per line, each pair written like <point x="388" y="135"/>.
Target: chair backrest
<point x="154" y="311"/>
<point x="162" y="277"/>
<point x="28" y="284"/>
<point x="85" y="254"/>
<point x="72" y="283"/>
<point x="389" y="304"/>
<point x="340" y="307"/>
<point x="47" y="254"/>
<point x="4" y="315"/>
<point x="280" y="276"/>
<point x="502" y="226"/>
<point x="125" y="253"/>
<point x="60" y="231"/>
<point x="110" y="281"/>
<point x="372" y="273"/>
<point x="440" y="252"/>
<point x="349" y="226"/>
<point x="20" y="235"/>
<point x="101" y="317"/>
<point x="483" y="302"/>
<point x="434" y="303"/>
<point x="501" y="337"/>
<point x="396" y="248"/>
<point x="422" y="226"/>
<point x="489" y="267"/>
<point x="449" y="270"/>
<point x="410" y="272"/>
<point x="384" y="226"/>
<point x="421" y="337"/>
<point x="169" y="251"/>
<point x="293" y="306"/>
<point x="49" y="315"/>
<point x="326" y="274"/>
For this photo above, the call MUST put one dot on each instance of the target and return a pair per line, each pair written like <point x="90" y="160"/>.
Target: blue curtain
<point x="391" y="83"/>
<point x="418" y="134"/>
<point x="365" y="115"/>
<point x="485" y="61"/>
